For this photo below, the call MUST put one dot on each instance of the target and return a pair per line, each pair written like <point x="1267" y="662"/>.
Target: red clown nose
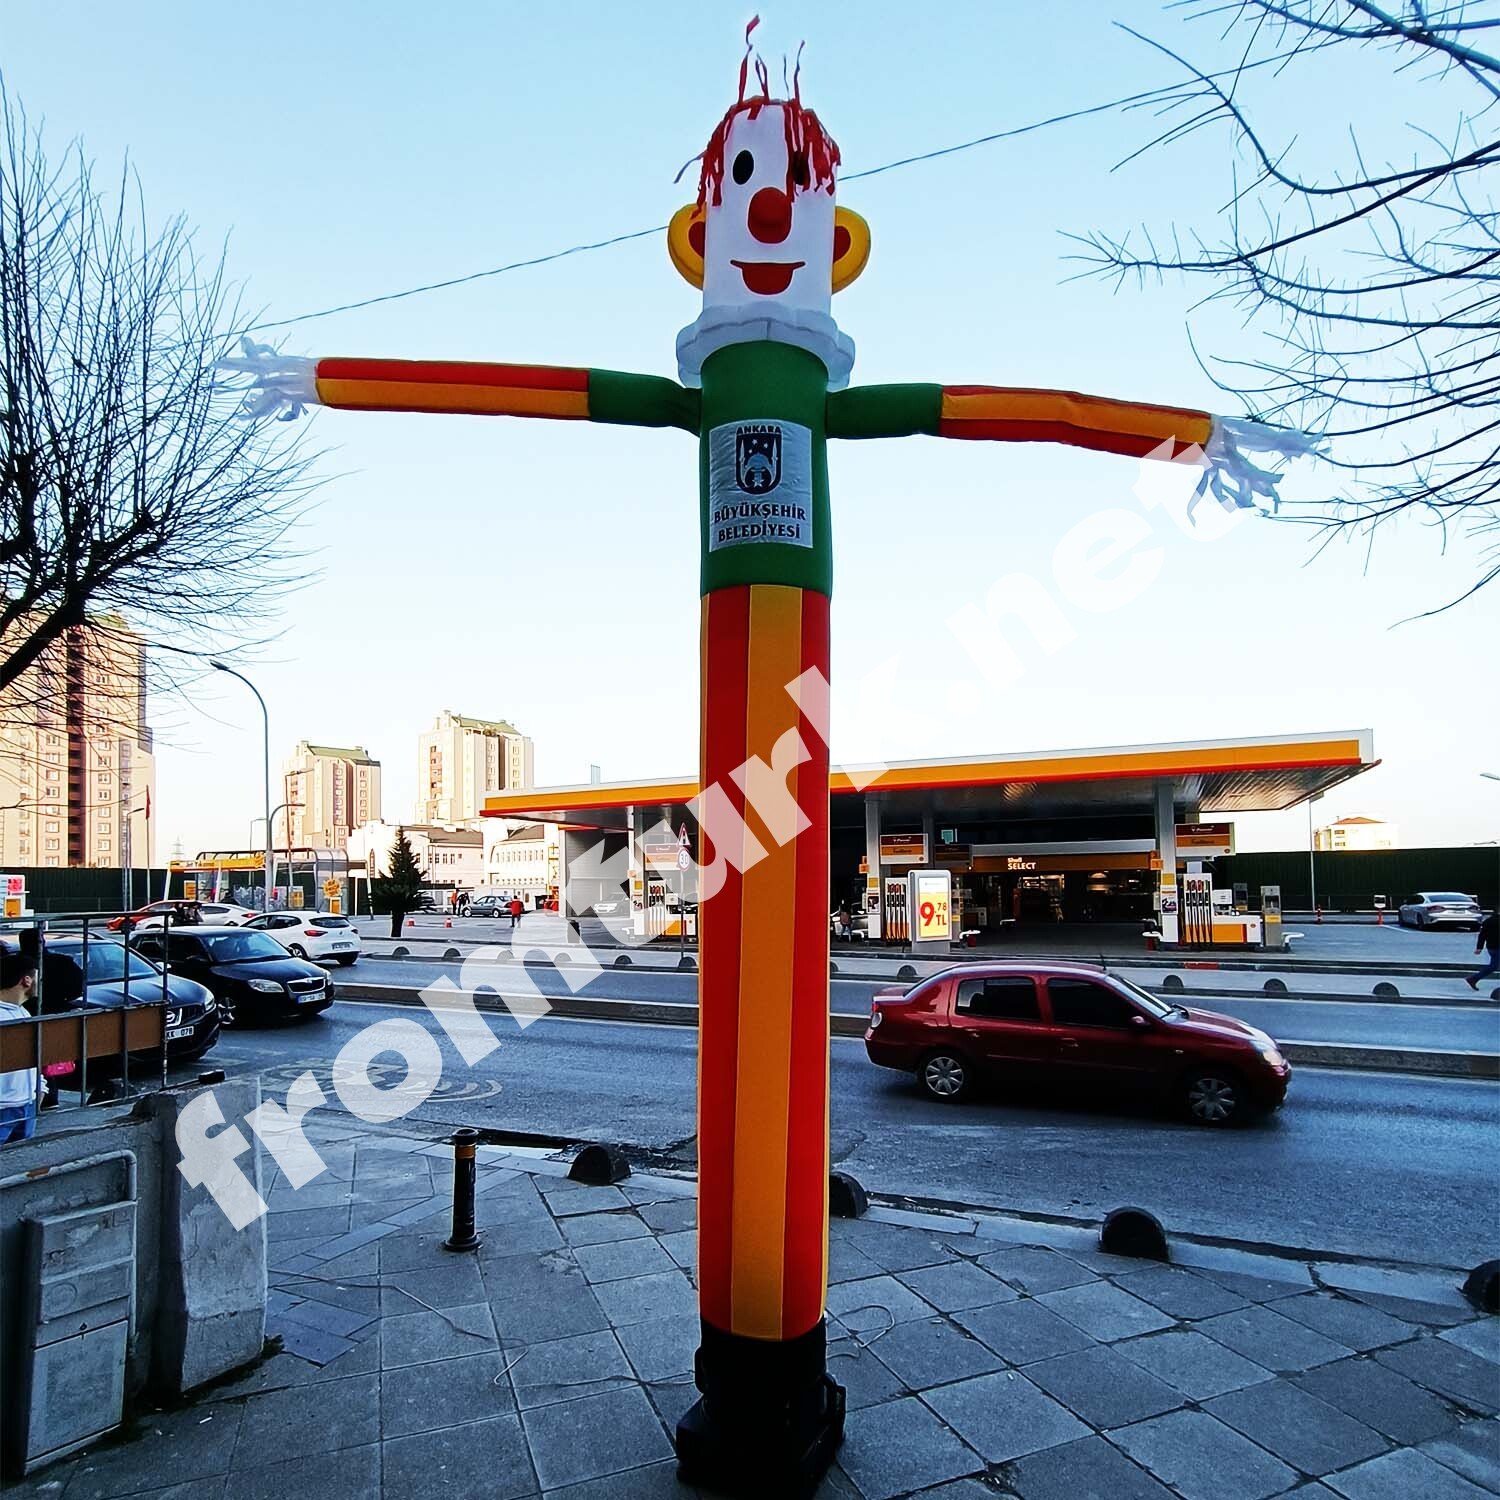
<point x="770" y="216"/>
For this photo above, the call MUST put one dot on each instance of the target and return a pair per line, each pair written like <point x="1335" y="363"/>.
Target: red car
<point x="1072" y="1024"/>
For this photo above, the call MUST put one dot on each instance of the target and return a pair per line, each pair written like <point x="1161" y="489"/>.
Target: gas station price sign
<point x="931" y="906"/>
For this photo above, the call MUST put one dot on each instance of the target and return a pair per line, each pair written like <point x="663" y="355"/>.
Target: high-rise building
<point x="338" y="790"/>
<point x="77" y="774"/>
<point x="461" y="761"/>
<point x="1356" y="833"/>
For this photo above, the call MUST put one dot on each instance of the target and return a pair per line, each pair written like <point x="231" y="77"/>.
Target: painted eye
<point x="799" y="168"/>
<point x="744" y="167"/>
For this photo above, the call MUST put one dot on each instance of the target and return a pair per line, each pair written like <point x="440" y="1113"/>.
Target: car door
<point x="1100" y="1038"/>
<point x="999" y="1017"/>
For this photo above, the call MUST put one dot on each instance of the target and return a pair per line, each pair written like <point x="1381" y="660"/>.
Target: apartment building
<point x="332" y="790"/>
<point x="462" y="760"/>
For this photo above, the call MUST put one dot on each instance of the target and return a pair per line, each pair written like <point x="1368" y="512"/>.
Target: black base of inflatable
<point x="770" y="1418"/>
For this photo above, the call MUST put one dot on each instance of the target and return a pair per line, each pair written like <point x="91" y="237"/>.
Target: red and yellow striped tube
<point x="454" y="386"/>
<point x="1034" y="416"/>
<point x="763" y="1038"/>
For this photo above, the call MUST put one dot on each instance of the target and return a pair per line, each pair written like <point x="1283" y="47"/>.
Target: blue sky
<point x="547" y="574"/>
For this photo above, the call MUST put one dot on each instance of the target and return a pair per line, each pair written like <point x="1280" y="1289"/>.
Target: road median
<point x="1430" y="1062"/>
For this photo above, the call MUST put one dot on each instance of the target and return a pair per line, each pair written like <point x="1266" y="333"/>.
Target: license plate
<point x="338" y="946"/>
<point x="176" y="1033"/>
<point x="310" y="996"/>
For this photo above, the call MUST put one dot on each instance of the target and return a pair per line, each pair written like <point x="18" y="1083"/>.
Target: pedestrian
<point x="18" y="1088"/>
<point x="516" y="908"/>
<point x="1488" y="937"/>
<point x="463" y="903"/>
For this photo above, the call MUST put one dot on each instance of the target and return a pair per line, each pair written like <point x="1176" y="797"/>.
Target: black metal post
<point x="463" y="1237"/>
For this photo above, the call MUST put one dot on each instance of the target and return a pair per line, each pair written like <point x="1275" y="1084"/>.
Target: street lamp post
<point x="219" y="666"/>
<point x="1494" y="776"/>
<point x="1312" y="868"/>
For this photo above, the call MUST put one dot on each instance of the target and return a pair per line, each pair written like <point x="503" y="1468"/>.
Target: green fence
<point x="1349" y="880"/>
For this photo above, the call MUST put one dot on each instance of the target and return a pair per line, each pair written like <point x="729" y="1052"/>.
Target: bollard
<point x="463" y="1236"/>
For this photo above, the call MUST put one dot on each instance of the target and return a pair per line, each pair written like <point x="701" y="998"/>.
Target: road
<point x="1290" y="1019"/>
<point x="1368" y="1164"/>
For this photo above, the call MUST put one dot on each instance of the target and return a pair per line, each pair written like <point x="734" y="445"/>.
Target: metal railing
<point x="68" y="1035"/>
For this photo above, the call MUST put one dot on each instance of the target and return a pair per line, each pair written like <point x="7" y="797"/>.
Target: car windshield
<point x="108" y="962"/>
<point x="1438" y="896"/>
<point x="242" y="946"/>
<point x="1145" y="999"/>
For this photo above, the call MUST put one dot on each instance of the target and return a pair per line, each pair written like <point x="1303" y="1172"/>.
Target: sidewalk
<point x="556" y="1361"/>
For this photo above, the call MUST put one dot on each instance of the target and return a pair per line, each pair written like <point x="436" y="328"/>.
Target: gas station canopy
<point x="1222" y="776"/>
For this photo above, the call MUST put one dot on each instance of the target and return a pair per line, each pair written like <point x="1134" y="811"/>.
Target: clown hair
<point x="807" y="142"/>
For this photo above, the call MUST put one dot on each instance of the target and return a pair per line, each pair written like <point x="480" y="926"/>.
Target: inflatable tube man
<point x="764" y="371"/>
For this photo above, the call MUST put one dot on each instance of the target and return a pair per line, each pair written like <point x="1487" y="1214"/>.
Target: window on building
<point x="51" y="861"/>
<point x="54" y="775"/>
<point x="103" y="846"/>
<point x="54" y="828"/>
<point x="53" y="844"/>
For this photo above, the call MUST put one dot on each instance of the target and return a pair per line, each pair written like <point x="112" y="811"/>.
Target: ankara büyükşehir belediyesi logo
<point x="757" y="458"/>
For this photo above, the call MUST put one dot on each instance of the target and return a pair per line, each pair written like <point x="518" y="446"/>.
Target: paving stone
<point x="957" y="1284"/>
<point x="1472" y="1450"/>
<point x="661" y="1348"/>
<point x="1380" y="1398"/>
<point x="1035" y="1269"/>
<point x="682" y="1246"/>
<point x="193" y="1443"/>
<point x="536" y="1299"/>
<point x="451" y="1282"/>
<point x="1258" y="1288"/>
<point x="1356" y="1325"/>
<point x="354" y="1296"/>
<point x="444" y="1393"/>
<point x="1404" y="1475"/>
<point x="620" y="1259"/>
<point x="895" y="1248"/>
<point x="653" y="1482"/>
<point x="412" y="1249"/>
<point x="309" y="1343"/>
<point x="674" y="1214"/>
<point x="847" y="1262"/>
<point x="288" y="1424"/>
<point x="672" y="1398"/>
<point x="1192" y="1363"/>
<point x="523" y="1236"/>
<point x="1103" y="1388"/>
<point x="1203" y="1459"/>
<point x="565" y="1198"/>
<point x="868" y="1306"/>
<point x="1088" y="1469"/>
<point x="930" y="1351"/>
<point x="366" y="1234"/>
<point x="419" y="1337"/>
<point x="900" y="1446"/>
<point x="866" y="1380"/>
<point x="567" y="1369"/>
<point x="1004" y="1416"/>
<point x="1280" y="1344"/>
<point x="1308" y="1433"/>
<point x="603" y="1229"/>
<point x="660" y="1295"/>
<point x="1481" y="1337"/>
<point x="1454" y="1373"/>
<point x="1429" y="1314"/>
<point x="1180" y="1292"/>
<point x="1024" y="1331"/>
<point x="572" y="1441"/>
<point x="487" y="1458"/>
<point x="1104" y="1311"/>
<point x="955" y="1489"/>
<point x="299" y="1223"/>
<point x="347" y="1474"/>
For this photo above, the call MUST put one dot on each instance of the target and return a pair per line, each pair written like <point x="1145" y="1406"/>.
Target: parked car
<point x="488" y="906"/>
<point x="311" y="934"/>
<point x="156" y="914"/>
<point x="225" y="913"/>
<point x="1440" y="909"/>
<point x="251" y="975"/>
<point x="1073" y="1026"/>
<point x="107" y="974"/>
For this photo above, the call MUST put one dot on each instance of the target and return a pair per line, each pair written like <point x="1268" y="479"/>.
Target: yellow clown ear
<point x="685" y="243"/>
<point x="851" y="246"/>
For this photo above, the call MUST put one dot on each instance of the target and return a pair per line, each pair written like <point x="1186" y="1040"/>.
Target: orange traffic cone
<point x="447" y="921"/>
<point x="411" y="921"/>
<point x="1318" y="915"/>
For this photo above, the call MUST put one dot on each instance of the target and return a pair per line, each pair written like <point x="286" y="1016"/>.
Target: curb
<point x="1417" y="1060"/>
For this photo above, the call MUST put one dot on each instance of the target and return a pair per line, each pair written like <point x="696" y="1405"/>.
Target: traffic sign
<point x="684" y="856"/>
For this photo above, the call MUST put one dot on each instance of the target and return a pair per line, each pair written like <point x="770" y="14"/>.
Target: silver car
<point x="1441" y="909"/>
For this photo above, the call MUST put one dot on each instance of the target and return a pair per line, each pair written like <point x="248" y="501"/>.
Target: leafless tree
<point x="131" y="497"/>
<point x="1377" y="280"/>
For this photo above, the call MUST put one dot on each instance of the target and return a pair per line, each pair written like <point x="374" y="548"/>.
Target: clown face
<point x="763" y="244"/>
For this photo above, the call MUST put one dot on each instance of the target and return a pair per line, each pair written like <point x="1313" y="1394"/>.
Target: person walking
<point x="1488" y="937"/>
<point x="516" y="908"/>
<point x="18" y="1088"/>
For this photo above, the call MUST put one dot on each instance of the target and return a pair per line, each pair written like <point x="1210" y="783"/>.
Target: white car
<point x="225" y="913"/>
<point x="1440" y="909"/>
<point x="311" y="934"/>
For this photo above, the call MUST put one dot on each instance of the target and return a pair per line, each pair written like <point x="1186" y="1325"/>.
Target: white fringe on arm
<point x="1229" y="475"/>
<point x="283" y="386"/>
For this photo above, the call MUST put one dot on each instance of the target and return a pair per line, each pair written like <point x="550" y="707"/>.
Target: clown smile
<point x="768" y="278"/>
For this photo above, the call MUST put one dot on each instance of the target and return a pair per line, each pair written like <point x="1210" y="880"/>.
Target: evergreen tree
<point x="399" y="891"/>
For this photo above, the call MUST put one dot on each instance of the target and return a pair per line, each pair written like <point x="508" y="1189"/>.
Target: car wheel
<point x="1213" y="1097"/>
<point x="944" y="1076"/>
<point x="297" y="950"/>
<point x="226" y="1011"/>
<point x="347" y="958"/>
